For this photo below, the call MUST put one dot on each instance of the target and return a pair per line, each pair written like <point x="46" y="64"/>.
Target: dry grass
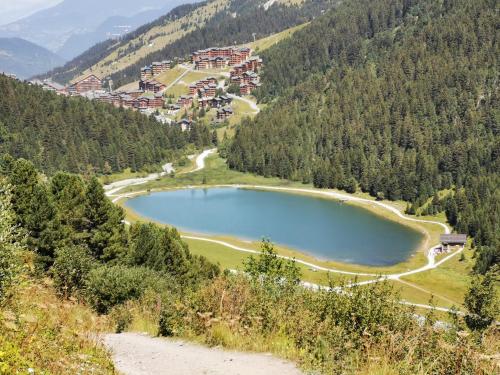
<point x="39" y="331"/>
<point x="155" y="39"/>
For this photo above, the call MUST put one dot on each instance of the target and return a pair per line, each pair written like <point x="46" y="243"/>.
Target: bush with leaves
<point x="108" y="286"/>
<point x="271" y="268"/>
<point x="482" y="300"/>
<point x="71" y="268"/>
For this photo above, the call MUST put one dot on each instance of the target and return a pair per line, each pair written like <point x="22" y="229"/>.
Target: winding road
<point x="113" y="188"/>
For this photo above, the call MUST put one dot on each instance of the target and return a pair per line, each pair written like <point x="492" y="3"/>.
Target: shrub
<point x="107" y="286"/>
<point x="170" y="322"/>
<point x="71" y="268"/>
<point x="122" y="318"/>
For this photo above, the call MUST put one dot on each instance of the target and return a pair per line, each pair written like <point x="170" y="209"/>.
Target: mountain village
<point x="219" y="69"/>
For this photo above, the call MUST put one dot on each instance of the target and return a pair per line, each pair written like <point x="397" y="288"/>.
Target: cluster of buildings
<point x="205" y="91"/>
<point x="148" y="82"/>
<point x="90" y="83"/>
<point x="149" y="95"/>
<point x="138" y="99"/>
<point x="246" y="75"/>
<point x="204" y="88"/>
<point x="156" y="68"/>
<point x="219" y="57"/>
<point x="90" y="87"/>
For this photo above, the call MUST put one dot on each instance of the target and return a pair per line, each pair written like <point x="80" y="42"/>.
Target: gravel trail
<point x="138" y="354"/>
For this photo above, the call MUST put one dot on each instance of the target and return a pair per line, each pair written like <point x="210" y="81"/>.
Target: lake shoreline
<point x="417" y="258"/>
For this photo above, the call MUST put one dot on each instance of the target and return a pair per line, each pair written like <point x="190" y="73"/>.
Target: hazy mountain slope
<point x="25" y="59"/>
<point x="114" y="27"/>
<point x="105" y="49"/>
<point x="52" y="27"/>
<point x="185" y="29"/>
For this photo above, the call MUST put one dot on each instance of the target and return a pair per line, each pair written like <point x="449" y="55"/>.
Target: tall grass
<point x="39" y="331"/>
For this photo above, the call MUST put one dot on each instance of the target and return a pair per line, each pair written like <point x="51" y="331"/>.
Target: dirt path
<point x="200" y="160"/>
<point x="113" y="188"/>
<point x="137" y="354"/>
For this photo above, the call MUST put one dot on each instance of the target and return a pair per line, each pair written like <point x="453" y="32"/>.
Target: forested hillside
<point x="396" y="97"/>
<point x="78" y="135"/>
<point x="235" y="23"/>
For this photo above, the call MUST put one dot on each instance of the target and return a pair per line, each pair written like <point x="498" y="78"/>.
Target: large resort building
<point x="89" y="83"/>
<point x="219" y="57"/>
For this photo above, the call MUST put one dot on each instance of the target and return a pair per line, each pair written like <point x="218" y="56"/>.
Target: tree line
<point x="78" y="135"/>
<point x="77" y="234"/>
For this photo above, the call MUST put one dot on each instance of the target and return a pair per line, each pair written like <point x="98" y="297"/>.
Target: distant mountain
<point x="25" y="59"/>
<point x="113" y="27"/>
<point x="72" y="26"/>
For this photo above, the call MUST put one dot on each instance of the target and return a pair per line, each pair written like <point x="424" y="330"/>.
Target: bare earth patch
<point x="137" y="354"/>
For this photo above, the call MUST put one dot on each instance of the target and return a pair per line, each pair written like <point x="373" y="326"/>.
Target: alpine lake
<point x="324" y="228"/>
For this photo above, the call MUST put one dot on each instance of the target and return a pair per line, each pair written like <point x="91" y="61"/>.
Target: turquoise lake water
<point x="323" y="228"/>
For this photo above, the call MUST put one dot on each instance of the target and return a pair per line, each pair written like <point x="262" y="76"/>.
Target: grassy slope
<point x="155" y="39"/>
<point x="265" y="43"/>
<point x="51" y="336"/>
<point x="447" y="283"/>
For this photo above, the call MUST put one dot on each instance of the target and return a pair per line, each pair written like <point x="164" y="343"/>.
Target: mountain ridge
<point x="54" y="26"/>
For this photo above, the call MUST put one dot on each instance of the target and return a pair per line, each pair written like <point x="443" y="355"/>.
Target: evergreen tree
<point x="482" y="300"/>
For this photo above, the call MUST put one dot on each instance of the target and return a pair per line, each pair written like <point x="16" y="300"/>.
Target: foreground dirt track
<point x="137" y="354"/>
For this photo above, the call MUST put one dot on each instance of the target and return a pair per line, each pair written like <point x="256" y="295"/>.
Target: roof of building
<point x="85" y="78"/>
<point x="453" y="238"/>
<point x="54" y="85"/>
